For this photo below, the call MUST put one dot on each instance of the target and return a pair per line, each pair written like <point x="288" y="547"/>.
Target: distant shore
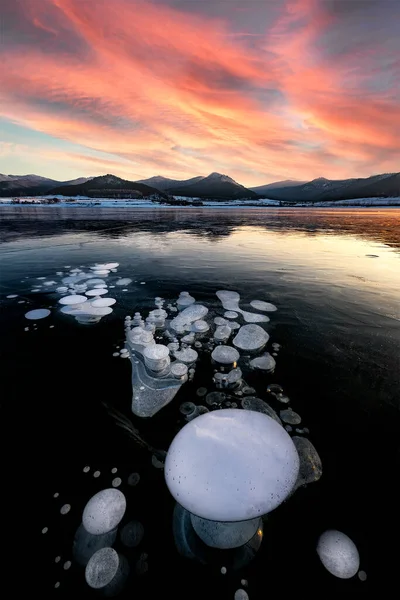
<point x="83" y="202"/>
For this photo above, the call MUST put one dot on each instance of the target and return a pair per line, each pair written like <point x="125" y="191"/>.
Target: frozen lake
<point x="334" y="276"/>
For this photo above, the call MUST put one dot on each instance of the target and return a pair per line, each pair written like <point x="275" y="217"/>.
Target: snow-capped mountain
<point x="216" y="186"/>
<point x="165" y="183"/>
<point x="19" y="185"/>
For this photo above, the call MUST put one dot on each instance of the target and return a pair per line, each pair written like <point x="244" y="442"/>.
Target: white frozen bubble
<point x="241" y="595"/>
<point x="98" y="286"/>
<point x="64" y="510"/>
<point x="178" y="369"/>
<point x="96" y="474"/>
<point x="338" y="554"/>
<point x="111" y="265"/>
<point x="57" y="559"/>
<point x="12" y="296"/>
<point x="187" y="356"/>
<point x="96" y="292"/>
<point x="230" y="302"/>
<point x="101" y="272"/>
<point x="266" y="362"/>
<point x="222" y="333"/>
<point x="86" y="469"/>
<point x="231" y="465"/>
<point x="362" y="576"/>
<point x="124" y="281"/>
<point x="185" y="300"/>
<point x="251" y="337"/>
<point x="45" y="530"/>
<point x="264" y="306"/>
<point x="57" y="584"/>
<point x="95" y="281"/>
<point x="116" y="482"/>
<point x="62" y="289"/>
<point x="104" y="511"/>
<point x="224" y="535"/>
<point x="225" y="355"/>
<point x="67" y="565"/>
<point x="200" y="326"/>
<point x="224" y="570"/>
<point x="142" y="283"/>
<point x="132" y="534"/>
<point x="101" y="302"/>
<point x="41" y="278"/>
<point x="73" y="299"/>
<point x="114" y="470"/>
<point x="56" y="495"/>
<point x="36" y="315"/>
<point x="220" y="321"/>
<point x="290" y="417"/>
<point x="230" y="314"/>
<point x="102" y="568"/>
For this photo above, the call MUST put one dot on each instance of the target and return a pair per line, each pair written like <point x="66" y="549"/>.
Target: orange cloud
<point x="179" y="93"/>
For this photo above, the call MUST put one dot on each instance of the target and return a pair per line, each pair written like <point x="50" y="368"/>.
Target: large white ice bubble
<point x="107" y="571"/>
<point x="231" y="465"/>
<point x="222" y="333"/>
<point x="101" y="302"/>
<point x="251" y="337"/>
<point x="96" y="292"/>
<point x="338" y="554"/>
<point x="225" y="535"/>
<point x="200" y="326"/>
<point x="225" y="355"/>
<point x="187" y="356"/>
<point x="104" y="511"/>
<point x="185" y="300"/>
<point x="264" y="306"/>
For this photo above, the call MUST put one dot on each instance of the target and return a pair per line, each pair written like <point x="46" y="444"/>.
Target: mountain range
<point x="214" y="186"/>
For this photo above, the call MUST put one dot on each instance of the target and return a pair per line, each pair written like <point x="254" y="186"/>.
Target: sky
<point x="260" y="90"/>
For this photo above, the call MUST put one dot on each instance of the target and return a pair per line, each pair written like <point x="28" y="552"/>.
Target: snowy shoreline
<point x="84" y="202"/>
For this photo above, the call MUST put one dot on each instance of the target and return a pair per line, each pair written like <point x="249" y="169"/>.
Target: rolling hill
<point x="108" y="186"/>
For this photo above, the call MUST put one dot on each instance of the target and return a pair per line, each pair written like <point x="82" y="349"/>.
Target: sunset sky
<point x="261" y="90"/>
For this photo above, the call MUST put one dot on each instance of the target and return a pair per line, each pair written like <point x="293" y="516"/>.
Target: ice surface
<point x="338" y="554"/>
<point x="74" y="299"/>
<point x="224" y="535"/>
<point x="35" y="315"/>
<point x="266" y="362"/>
<point x="258" y="405"/>
<point x="102" y="568"/>
<point x="251" y="337"/>
<point x="124" y="281"/>
<point x="104" y="511"/>
<point x="225" y="355"/>
<point x="231" y="465"/>
<point x="290" y="417"/>
<point x="264" y="306"/>
<point x="132" y="534"/>
<point x="230" y="302"/>
<point x="310" y="462"/>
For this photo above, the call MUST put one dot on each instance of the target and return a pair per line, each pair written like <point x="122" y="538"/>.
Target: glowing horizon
<point x="259" y="91"/>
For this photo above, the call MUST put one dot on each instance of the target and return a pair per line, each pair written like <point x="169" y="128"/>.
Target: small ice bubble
<point x="230" y="314"/>
<point x="57" y="584"/>
<point x="45" y="529"/>
<point x="289" y="416"/>
<point x="224" y="570"/>
<point x="67" y="565"/>
<point x="220" y="321"/>
<point x="104" y="511"/>
<point x="114" y="470"/>
<point x="142" y="283"/>
<point x="187" y="356"/>
<point x="57" y="559"/>
<point x="96" y="474"/>
<point x="178" y="369"/>
<point x="12" y="296"/>
<point x="202" y="391"/>
<point x="73" y="299"/>
<point x="86" y="469"/>
<point x="132" y="534"/>
<point x="362" y="576"/>
<point x="288" y="428"/>
<point x="241" y="595"/>
<point x="102" y="568"/>
<point x="264" y="306"/>
<point x="265" y="362"/>
<point x="96" y="292"/>
<point x="116" y="482"/>
<point x="35" y="315"/>
<point x="222" y="333"/>
<point x="56" y="495"/>
<point x="187" y="409"/>
<point x="64" y="510"/>
<point x="225" y="355"/>
<point x="244" y="582"/>
<point x="115" y="353"/>
<point x="124" y="281"/>
<point x="133" y="479"/>
<point x="338" y="554"/>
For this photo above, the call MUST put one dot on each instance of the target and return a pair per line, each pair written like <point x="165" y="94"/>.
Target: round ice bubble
<point x="231" y="465"/>
<point x="241" y="595"/>
<point x="104" y="511"/>
<point x="187" y="355"/>
<point x="97" y="292"/>
<point x="132" y="534"/>
<point x="124" y="281"/>
<point x="338" y="554"/>
<point x="102" y="568"/>
<point x="178" y="369"/>
<point x="266" y="362"/>
<point x="224" y="535"/>
<point x="251" y="337"/>
<point x="101" y="302"/>
<point x="290" y="417"/>
<point x="225" y="355"/>
<point x="73" y="299"/>
<point x="230" y="314"/>
<point x="200" y="326"/>
<point x="39" y="313"/>
<point x="264" y="306"/>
